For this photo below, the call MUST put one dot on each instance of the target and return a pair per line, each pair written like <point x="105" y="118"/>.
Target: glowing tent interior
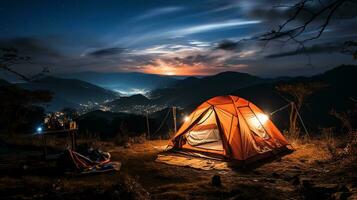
<point x="230" y="127"/>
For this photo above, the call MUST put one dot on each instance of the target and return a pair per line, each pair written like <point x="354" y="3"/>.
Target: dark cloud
<point x="314" y="49"/>
<point x="107" y="52"/>
<point x="195" y="59"/>
<point x="227" y="45"/>
<point x="33" y="47"/>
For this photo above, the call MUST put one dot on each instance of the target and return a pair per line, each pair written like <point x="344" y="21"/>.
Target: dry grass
<point x="310" y="151"/>
<point x="315" y="158"/>
<point x="108" y="186"/>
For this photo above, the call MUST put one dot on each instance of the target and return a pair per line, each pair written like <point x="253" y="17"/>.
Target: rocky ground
<point x="317" y="169"/>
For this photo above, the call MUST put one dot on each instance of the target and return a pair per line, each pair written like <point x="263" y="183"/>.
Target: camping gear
<point x="229" y="127"/>
<point x="96" y="161"/>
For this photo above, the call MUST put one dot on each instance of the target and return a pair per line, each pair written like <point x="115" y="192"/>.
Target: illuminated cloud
<point x="158" y="12"/>
<point x="213" y="26"/>
<point x="167" y="49"/>
<point x="194" y="58"/>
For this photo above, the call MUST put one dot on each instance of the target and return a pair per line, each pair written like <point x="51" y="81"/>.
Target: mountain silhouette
<point x="69" y="92"/>
<point x="123" y="82"/>
<point x="190" y="90"/>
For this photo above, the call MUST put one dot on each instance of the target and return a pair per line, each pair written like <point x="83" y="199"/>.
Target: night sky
<point x="167" y="37"/>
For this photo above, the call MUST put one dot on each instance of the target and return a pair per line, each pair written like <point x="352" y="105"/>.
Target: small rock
<point x="306" y="183"/>
<point x="257" y="172"/>
<point x="216" y="181"/>
<point x="295" y="167"/>
<point x="341" y="195"/>
<point x="275" y="175"/>
<point x="270" y="180"/>
<point x="354" y="182"/>
<point x="295" y="180"/>
<point x="116" y="193"/>
<point x="317" y="191"/>
<point x="343" y="188"/>
<point x="127" y="145"/>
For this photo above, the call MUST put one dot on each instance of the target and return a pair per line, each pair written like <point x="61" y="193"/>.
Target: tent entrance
<point x="205" y="134"/>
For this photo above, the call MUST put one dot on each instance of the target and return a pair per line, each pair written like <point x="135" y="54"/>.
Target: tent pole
<point x="174" y="116"/>
<point x="44" y="146"/>
<point x="280" y="109"/>
<point x="302" y="122"/>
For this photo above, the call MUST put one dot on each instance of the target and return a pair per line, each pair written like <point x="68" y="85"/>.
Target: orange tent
<point x="228" y="126"/>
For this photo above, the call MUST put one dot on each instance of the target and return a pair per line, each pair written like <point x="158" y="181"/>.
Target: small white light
<point x="39" y="129"/>
<point x="186" y="118"/>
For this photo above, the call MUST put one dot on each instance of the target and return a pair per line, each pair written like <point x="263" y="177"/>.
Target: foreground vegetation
<point x="319" y="168"/>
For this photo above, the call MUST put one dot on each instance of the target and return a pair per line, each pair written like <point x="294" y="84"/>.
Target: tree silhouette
<point x="10" y="57"/>
<point x="296" y="94"/>
<point x="350" y="47"/>
<point x="19" y="108"/>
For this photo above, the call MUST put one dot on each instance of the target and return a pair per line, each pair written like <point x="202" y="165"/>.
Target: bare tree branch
<point x="25" y="78"/>
<point x="9" y="57"/>
<point x="296" y="31"/>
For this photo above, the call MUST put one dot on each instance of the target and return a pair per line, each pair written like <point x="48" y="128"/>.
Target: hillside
<point x="137" y="99"/>
<point x="126" y="83"/>
<point x="193" y="90"/>
<point x="3" y="82"/>
<point x="336" y="95"/>
<point x="133" y="104"/>
<point x="69" y="92"/>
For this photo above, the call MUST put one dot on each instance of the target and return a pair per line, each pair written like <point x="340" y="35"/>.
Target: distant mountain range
<point x="124" y="83"/>
<point x="186" y="91"/>
<point x="190" y="92"/>
<point x="192" y="89"/>
<point x="69" y="92"/>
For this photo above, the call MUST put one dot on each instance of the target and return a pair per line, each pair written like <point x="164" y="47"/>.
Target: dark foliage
<point x="105" y="125"/>
<point x="20" y="110"/>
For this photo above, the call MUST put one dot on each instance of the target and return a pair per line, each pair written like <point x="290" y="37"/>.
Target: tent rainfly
<point x="229" y="127"/>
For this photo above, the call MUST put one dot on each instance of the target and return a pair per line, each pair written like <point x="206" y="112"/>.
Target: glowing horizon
<point x="161" y="67"/>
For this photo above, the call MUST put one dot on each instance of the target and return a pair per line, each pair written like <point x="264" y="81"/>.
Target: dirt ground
<point x="310" y="172"/>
